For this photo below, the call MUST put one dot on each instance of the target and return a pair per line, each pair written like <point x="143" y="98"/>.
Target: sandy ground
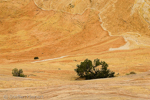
<point x="56" y="79"/>
<point x="131" y="87"/>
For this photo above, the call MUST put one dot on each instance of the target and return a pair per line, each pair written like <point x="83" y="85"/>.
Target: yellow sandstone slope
<point x="30" y="31"/>
<point x="54" y="28"/>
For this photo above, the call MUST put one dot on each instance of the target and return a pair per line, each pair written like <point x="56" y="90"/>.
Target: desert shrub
<point x="132" y="73"/>
<point x="127" y="74"/>
<point x="17" y="72"/>
<point x="20" y="72"/>
<point x="36" y="58"/>
<point x="71" y="6"/>
<point x="89" y="71"/>
<point x="22" y="75"/>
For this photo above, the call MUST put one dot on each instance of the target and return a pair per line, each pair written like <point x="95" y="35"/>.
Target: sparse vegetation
<point x="36" y="58"/>
<point x="59" y="68"/>
<point x="132" y="73"/>
<point x="71" y="6"/>
<point x="127" y="74"/>
<point x="15" y="72"/>
<point x="22" y="75"/>
<point x="18" y="73"/>
<point x="89" y="71"/>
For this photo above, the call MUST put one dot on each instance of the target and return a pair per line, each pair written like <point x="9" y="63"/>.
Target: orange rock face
<point x="29" y="31"/>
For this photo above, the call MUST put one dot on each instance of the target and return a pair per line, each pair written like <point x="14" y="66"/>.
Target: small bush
<point x="22" y="75"/>
<point x="89" y="71"/>
<point x="127" y="74"/>
<point x="36" y="58"/>
<point x="132" y="73"/>
<point x="20" y="72"/>
<point x="17" y="72"/>
<point x="71" y="6"/>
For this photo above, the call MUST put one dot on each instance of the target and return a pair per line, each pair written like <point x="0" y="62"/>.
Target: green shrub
<point x="20" y="72"/>
<point x="89" y="71"/>
<point x="22" y="75"/>
<point x="71" y="6"/>
<point x="132" y="73"/>
<point x="127" y="74"/>
<point x="36" y="58"/>
<point x="17" y="72"/>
